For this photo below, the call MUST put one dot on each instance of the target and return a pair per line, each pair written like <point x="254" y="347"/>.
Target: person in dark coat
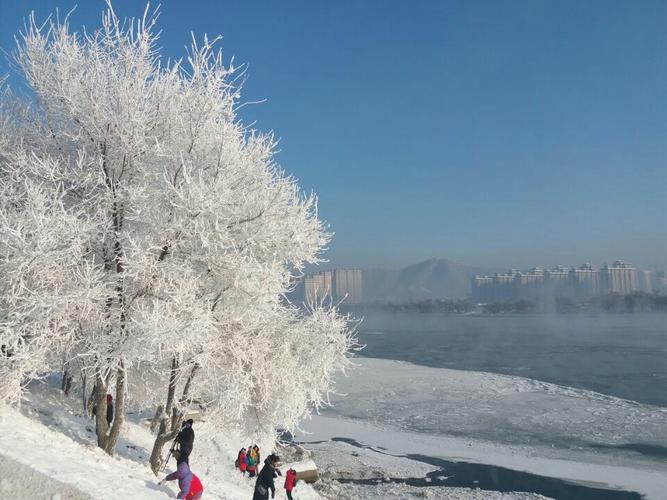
<point x="109" y="409"/>
<point x="185" y="440"/>
<point x="265" y="479"/>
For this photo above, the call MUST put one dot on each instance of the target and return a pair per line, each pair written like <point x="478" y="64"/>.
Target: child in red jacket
<point x="242" y="464"/>
<point x="290" y="482"/>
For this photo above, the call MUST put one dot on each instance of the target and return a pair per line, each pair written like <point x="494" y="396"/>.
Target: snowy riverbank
<point x="381" y="440"/>
<point x="520" y="424"/>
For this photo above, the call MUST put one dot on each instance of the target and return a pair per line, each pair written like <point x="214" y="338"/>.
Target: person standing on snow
<point x="109" y="409"/>
<point x="264" y="481"/>
<point x="251" y="465"/>
<point x="290" y="482"/>
<point x="242" y="464"/>
<point x="185" y="440"/>
<point x="188" y="483"/>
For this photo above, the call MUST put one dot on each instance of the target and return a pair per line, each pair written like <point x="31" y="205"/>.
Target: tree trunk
<point x="156" y="419"/>
<point x="107" y="438"/>
<point x="100" y="409"/>
<point x="93" y="397"/>
<point x="164" y="434"/>
<point x="188" y="383"/>
<point x="67" y="380"/>
<point x="177" y="414"/>
<point x="156" y="459"/>
<point x="119" y="410"/>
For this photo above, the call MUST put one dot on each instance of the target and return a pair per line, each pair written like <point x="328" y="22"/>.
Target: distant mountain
<point x="436" y="278"/>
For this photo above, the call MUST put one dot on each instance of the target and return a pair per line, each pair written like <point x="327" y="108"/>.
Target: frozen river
<point x="568" y="407"/>
<point x="619" y="355"/>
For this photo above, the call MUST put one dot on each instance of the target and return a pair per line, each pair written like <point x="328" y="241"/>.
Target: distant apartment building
<point x="618" y="277"/>
<point x="557" y="282"/>
<point x="344" y="285"/>
<point x="660" y="282"/>
<point x="482" y="289"/>
<point x="585" y="282"/>
<point x="347" y="285"/>
<point x="317" y="287"/>
<point x="529" y="285"/>
<point x="646" y="281"/>
<point x="578" y="283"/>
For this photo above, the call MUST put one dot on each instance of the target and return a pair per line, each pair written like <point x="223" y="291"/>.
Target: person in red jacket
<point x="243" y="465"/>
<point x="290" y="482"/>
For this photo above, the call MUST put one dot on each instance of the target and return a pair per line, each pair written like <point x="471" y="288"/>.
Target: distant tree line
<point x="448" y="306"/>
<point x="617" y="303"/>
<point x="635" y="302"/>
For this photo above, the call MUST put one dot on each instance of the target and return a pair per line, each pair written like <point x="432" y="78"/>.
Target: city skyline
<point x="489" y="133"/>
<point x="579" y="282"/>
<point x="529" y="264"/>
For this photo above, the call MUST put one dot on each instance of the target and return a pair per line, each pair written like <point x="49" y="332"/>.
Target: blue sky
<point x="499" y="133"/>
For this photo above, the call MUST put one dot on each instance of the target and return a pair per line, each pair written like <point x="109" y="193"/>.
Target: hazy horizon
<point x="520" y="265"/>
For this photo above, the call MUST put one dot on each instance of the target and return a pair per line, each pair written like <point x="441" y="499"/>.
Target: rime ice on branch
<point x="147" y="237"/>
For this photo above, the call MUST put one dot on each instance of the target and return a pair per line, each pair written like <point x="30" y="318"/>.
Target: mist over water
<point x="618" y="355"/>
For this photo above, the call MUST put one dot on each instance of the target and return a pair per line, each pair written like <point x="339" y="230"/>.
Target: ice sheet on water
<point x="506" y="409"/>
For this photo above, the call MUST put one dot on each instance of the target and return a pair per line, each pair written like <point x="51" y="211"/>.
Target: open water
<point x="618" y="355"/>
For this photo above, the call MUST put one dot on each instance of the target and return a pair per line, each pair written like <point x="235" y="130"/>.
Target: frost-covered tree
<point x="151" y="236"/>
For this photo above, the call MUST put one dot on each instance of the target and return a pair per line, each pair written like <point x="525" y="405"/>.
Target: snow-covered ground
<point x="505" y="409"/>
<point x="400" y="408"/>
<point x="391" y="413"/>
<point x="50" y="452"/>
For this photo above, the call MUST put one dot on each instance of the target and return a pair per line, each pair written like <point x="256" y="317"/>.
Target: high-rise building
<point x="347" y="286"/>
<point x="557" y="282"/>
<point x="339" y="285"/>
<point x="580" y="283"/>
<point x="645" y="281"/>
<point x="660" y="282"/>
<point x="482" y="289"/>
<point x="317" y="287"/>
<point x="618" y="277"/>
<point x="585" y="281"/>
<point x="503" y="289"/>
<point x="529" y="285"/>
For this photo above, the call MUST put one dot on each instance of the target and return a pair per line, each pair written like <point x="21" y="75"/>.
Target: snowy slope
<point x="56" y="467"/>
<point x="52" y="448"/>
<point x="84" y="469"/>
<point x="47" y="451"/>
<point x="391" y="410"/>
